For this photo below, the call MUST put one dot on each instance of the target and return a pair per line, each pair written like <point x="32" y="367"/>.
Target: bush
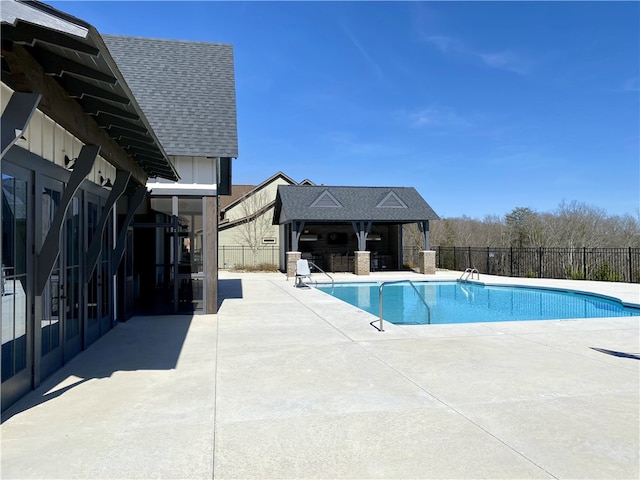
<point x="577" y="275"/>
<point x="606" y="274"/>
<point x="262" y="267"/>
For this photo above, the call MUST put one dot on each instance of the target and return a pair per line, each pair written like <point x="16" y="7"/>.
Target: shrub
<point x="262" y="267"/>
<point x="575" y="275"/>
<point x="606" y="274"/>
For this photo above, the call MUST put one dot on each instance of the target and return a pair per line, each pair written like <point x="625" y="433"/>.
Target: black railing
<point x="606" y="264"/>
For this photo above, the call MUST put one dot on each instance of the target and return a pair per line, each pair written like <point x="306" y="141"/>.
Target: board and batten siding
<point x="47" y="139"/>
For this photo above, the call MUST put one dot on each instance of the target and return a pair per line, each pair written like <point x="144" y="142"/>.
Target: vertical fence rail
<point x="603" y="264"/>
<point x="231" y="256"/>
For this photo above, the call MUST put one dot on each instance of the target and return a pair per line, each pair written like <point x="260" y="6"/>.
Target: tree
<point x="522" y="223"/>
<point x="257" y="222"/>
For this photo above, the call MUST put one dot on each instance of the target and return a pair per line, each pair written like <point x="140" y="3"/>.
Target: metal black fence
<point x="606" y="264"/>
<point x="236" y="256"/>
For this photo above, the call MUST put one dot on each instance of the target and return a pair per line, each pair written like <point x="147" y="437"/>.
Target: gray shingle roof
<point x="73" y="53"/>
<point x="295" y="202"/>
<point x="186" y="90"/>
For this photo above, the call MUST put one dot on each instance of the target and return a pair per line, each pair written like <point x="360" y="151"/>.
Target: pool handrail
<point x="316" y="266"/>
<point x="381" y="288"/>
<point x="469" y="272"/>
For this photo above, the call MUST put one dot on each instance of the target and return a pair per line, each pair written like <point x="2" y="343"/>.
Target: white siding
<point x="195" y="170"/>
<point x="52" y="142"/>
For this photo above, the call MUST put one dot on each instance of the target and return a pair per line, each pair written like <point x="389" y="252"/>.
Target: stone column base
<point x="427" y="262"/>
<point x="292" y="258"/>
<point x="362" y="264"/>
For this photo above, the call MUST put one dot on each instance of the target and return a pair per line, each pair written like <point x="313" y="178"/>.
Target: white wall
<point x="49" y="140"/>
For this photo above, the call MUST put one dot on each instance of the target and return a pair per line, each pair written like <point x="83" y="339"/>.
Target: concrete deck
<point x="292" y="383"/>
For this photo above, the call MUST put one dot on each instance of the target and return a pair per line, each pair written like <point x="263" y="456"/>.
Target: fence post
<point x="539" y="262"/>
<point x="511" y="261"/>
<point x="487" y="260"/>
<point x="455" y="259"/>
<point x="630" y="267"/>
<point x="584" y="263"/>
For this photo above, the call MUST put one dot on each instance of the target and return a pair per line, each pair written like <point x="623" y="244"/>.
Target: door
<point x="17" y="287"/>
<point x="93" y="291"/>
<point x="99" y="288"/>
<point x="105" y="281"/>
<point x="70" y="287"/>
<point x="51" y="334"/>
<point x="61" y="325"/>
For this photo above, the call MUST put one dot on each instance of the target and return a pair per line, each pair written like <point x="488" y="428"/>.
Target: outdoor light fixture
<point x="105" y="182"/>
<point x="19" y="135"/>
<point x="69" y="163"/>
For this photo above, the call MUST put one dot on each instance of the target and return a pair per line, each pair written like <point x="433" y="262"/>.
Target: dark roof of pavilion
<point x="346" y="204"/>
<point x="74" y="54"/>
<point x="186" y="89"/>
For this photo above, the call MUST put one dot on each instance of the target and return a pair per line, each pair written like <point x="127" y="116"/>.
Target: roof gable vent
<point x="391" y="200"/>
<point x="326" y="200"/>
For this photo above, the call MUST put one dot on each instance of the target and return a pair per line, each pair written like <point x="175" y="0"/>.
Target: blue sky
<point x="481" y="106"/>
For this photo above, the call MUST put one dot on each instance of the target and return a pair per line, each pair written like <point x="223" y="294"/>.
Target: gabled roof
<point x="237" y="192"/>
<point x="186" y="89"/>
<point x="241" y="192"/>
<point x="73" y="53"/>
<point x="378" y="204"/>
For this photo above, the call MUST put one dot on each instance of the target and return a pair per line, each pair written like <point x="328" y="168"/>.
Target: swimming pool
<point x="463" y="302"/>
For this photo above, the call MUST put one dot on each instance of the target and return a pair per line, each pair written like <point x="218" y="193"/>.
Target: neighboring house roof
<point x="236" y="199"/>
<point x="186" y="89"/>
<point x="345" y="204"/>
<point x="237" y="192"/>
<point x="242" y="192"/>
<point x="73" y="53"/>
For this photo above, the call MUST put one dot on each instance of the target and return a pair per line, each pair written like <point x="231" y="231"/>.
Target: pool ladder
<point x="469" y="272"/>
<point x="311" y="264"/>
<point x="382" y="285"/>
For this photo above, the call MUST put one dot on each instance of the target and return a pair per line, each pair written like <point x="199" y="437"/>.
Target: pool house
<point x="350" y="229"/>
<point x="84" y="139"/>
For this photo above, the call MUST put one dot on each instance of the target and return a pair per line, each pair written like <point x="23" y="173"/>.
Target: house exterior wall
<point x="193" y="170"/>
<point x="34" y="323"/>
<point x="47" y="139"/>
<point x="237" y="235"/>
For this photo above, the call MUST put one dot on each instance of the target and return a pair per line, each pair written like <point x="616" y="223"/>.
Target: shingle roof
<point x="344" y="204"/>
<point x="186" y="89"/>
<point x="73" y="53"/>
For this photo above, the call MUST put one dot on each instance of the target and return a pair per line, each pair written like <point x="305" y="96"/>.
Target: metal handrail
<point x="469" y="272"/>
<point x="314" y="265"/>
<point x="414" y="288"/>
<point x="463" y="273"/>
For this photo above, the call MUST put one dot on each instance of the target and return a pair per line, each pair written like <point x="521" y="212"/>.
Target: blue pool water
<point x="461" y="302"/>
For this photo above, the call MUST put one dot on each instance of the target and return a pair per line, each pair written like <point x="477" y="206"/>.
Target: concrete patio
<point x="291" y="383"/>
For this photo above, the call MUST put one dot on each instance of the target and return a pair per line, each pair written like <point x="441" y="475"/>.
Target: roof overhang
<point x="72" y="53"/>
<point x="182" y="189"/>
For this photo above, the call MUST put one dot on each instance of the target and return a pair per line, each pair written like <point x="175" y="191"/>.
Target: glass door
<point x="50" y="325"/>
<point x="92" y="329"/>
<point x="17" y="257"/>
<point x="105" y="282"/>
<point x="70" y="245"/>
<point x="99" y="288"/>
